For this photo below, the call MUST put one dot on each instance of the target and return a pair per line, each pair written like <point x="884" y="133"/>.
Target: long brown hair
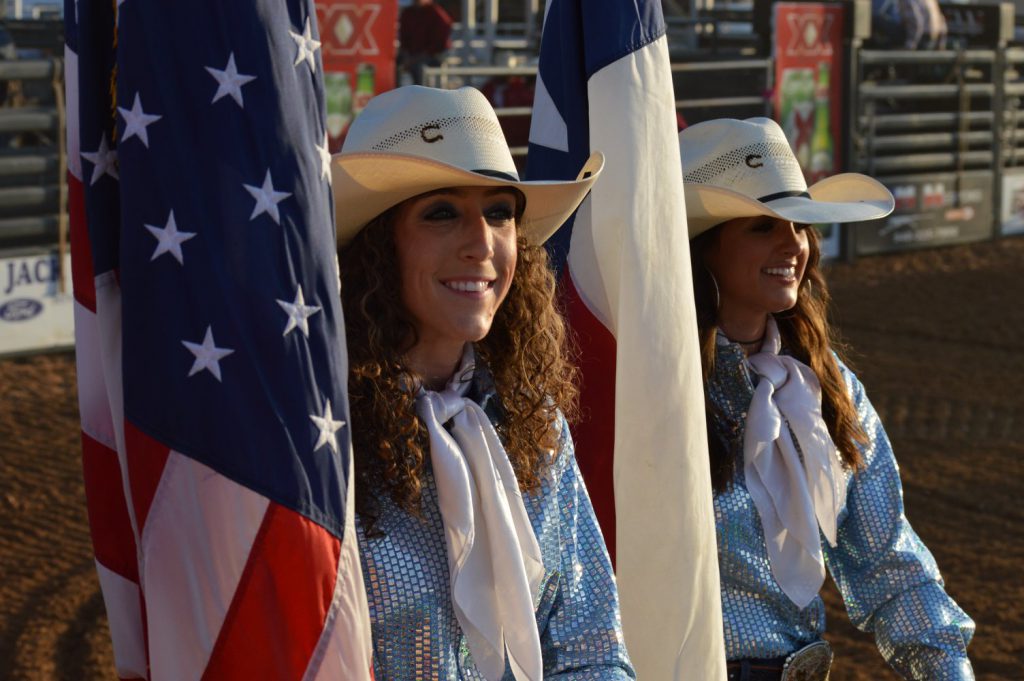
<point x="805" y="333"/>
<point x="526" y="352"/>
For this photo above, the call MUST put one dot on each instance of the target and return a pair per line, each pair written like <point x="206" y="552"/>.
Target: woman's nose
<point x="790" y="238"/>
<point x="478" y="239"/>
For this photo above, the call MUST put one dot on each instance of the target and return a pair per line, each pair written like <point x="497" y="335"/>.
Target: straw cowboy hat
<point x="416" y="139"/>
<point x="735" y="169"/>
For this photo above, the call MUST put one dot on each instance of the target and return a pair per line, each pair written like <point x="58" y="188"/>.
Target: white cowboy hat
<point x="416" y="139"/>
<point x="735" y="169"/>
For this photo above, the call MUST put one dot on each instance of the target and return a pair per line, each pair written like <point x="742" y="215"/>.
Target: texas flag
<point x="210" y="342"/>
<point x="604" y="84"/>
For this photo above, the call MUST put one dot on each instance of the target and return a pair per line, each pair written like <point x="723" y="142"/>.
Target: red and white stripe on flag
<point x="642" y="442"/>
<point x="202" y="577"/>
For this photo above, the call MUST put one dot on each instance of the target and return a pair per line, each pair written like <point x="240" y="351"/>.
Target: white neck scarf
<point x="794" y="497"/>
<point x="493" y="556"/>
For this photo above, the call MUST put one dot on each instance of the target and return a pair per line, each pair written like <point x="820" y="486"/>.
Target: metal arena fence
<point x="943" y="129"/>
<point x="942" y="118"/>
<point x="33" y="161"/>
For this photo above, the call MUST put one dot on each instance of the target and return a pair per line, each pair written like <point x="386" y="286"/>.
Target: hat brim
<point x="847" y="197"/>
<point x="367" y="184"/>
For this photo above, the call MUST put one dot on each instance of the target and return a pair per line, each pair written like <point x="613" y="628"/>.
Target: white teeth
<point x="789" y="272"/>
<point x="468" y="286"/>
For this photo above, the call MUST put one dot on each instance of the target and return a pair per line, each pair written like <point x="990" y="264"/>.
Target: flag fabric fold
<point x="605" y="84"/>
<point x="210" y="341"/>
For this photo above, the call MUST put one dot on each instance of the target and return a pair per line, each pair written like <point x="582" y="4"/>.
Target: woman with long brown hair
<point x="804" y="476"/>
<point x="481" y="554"/>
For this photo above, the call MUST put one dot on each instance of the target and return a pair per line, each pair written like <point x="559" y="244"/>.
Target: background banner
<point x="359" y="57"/>
<point x="34" y="313"/>
<point x="934" y="209"/>
<point x="809" y="71"/>
<point x="808" y="83"/>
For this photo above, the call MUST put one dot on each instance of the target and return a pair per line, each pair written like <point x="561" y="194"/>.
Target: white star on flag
<point x="266" y="199"/>
<point x="325" y="158"/>
<point x="307" y="47"/>
<point x="328" y="427"/>
<point x="169" y="239"/>
<point x="229" y="81"/>
<point x="104" y="161"/>
<point x="136" y="121"/>
<point x="298" y="313"/>
<point x="208" y="355"/>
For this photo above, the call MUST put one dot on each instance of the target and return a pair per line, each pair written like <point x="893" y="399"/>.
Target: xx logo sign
<point x="350" y="29"/>
<point x="809" y="35"/>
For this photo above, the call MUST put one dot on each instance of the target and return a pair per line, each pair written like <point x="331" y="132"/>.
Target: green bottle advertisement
<point x="822" y="155"/>
<point x="339" y="103"/>
<point x="365" y="87"/>
<point x="796" y="104"/>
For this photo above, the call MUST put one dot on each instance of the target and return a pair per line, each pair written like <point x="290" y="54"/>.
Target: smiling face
<point x="456" y="251"/>
<point x="758" y="263"/>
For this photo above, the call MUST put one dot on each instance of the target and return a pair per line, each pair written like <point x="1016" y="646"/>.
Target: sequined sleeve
<point x="582" y="636"/>
<point x="888" y="578"/>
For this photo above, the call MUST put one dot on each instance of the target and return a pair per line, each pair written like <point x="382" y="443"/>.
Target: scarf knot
<point x="771" y="368"/>
<point x="792" y="468"/>
<point x="444" y="405"/>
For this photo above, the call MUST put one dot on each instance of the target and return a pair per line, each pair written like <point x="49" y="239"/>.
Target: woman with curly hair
<point x="803" y="473"/>
<point x="481" y="554"/>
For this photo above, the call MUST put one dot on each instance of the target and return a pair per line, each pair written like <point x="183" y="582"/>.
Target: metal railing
<point x="1012" y="138"/>
<point x="927" y="124"/>
<point x="451" y="76"/>
<point x="33" y="163"/>
<point x="759" y="72"/>
<point x="905" y="125"/>
<point x="969" y="120"/>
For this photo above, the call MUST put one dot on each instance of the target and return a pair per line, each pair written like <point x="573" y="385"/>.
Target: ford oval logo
<point x="20" y="309"/>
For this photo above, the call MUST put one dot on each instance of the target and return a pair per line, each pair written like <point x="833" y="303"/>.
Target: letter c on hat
<point x="434" y="138"/>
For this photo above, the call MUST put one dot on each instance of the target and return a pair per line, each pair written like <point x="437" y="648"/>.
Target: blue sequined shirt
<point x="886" y="575"/>
<point x="415" y="632"/>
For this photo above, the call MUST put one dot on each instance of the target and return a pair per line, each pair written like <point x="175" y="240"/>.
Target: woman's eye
<point x="502" y="212"/>
<point x="801" y="227"/>
<point x="762" y="226"/>
<point x="440" y="212"/>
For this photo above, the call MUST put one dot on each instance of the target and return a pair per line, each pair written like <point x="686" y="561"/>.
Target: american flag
<point x="210" y="341"/>
<point x="605" y="84"/>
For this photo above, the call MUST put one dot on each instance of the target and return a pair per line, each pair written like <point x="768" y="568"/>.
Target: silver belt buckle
<point x="810" y="663"/>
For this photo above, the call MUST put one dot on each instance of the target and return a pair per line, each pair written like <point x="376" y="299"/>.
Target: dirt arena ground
<point x="937" y="337"/>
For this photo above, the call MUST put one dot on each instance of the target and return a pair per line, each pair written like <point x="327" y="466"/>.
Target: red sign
<point x="358" y="47"/>
<point x="808" y="83"/>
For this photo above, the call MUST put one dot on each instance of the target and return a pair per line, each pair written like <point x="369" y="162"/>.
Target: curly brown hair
<point x="805" y="333"/>
<point x="526" y="351"/>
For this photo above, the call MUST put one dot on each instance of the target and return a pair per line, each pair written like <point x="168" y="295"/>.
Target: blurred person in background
<point x="804" y="476"/>
<point x="424" y="36"/>
<point x="907" y="24"/>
